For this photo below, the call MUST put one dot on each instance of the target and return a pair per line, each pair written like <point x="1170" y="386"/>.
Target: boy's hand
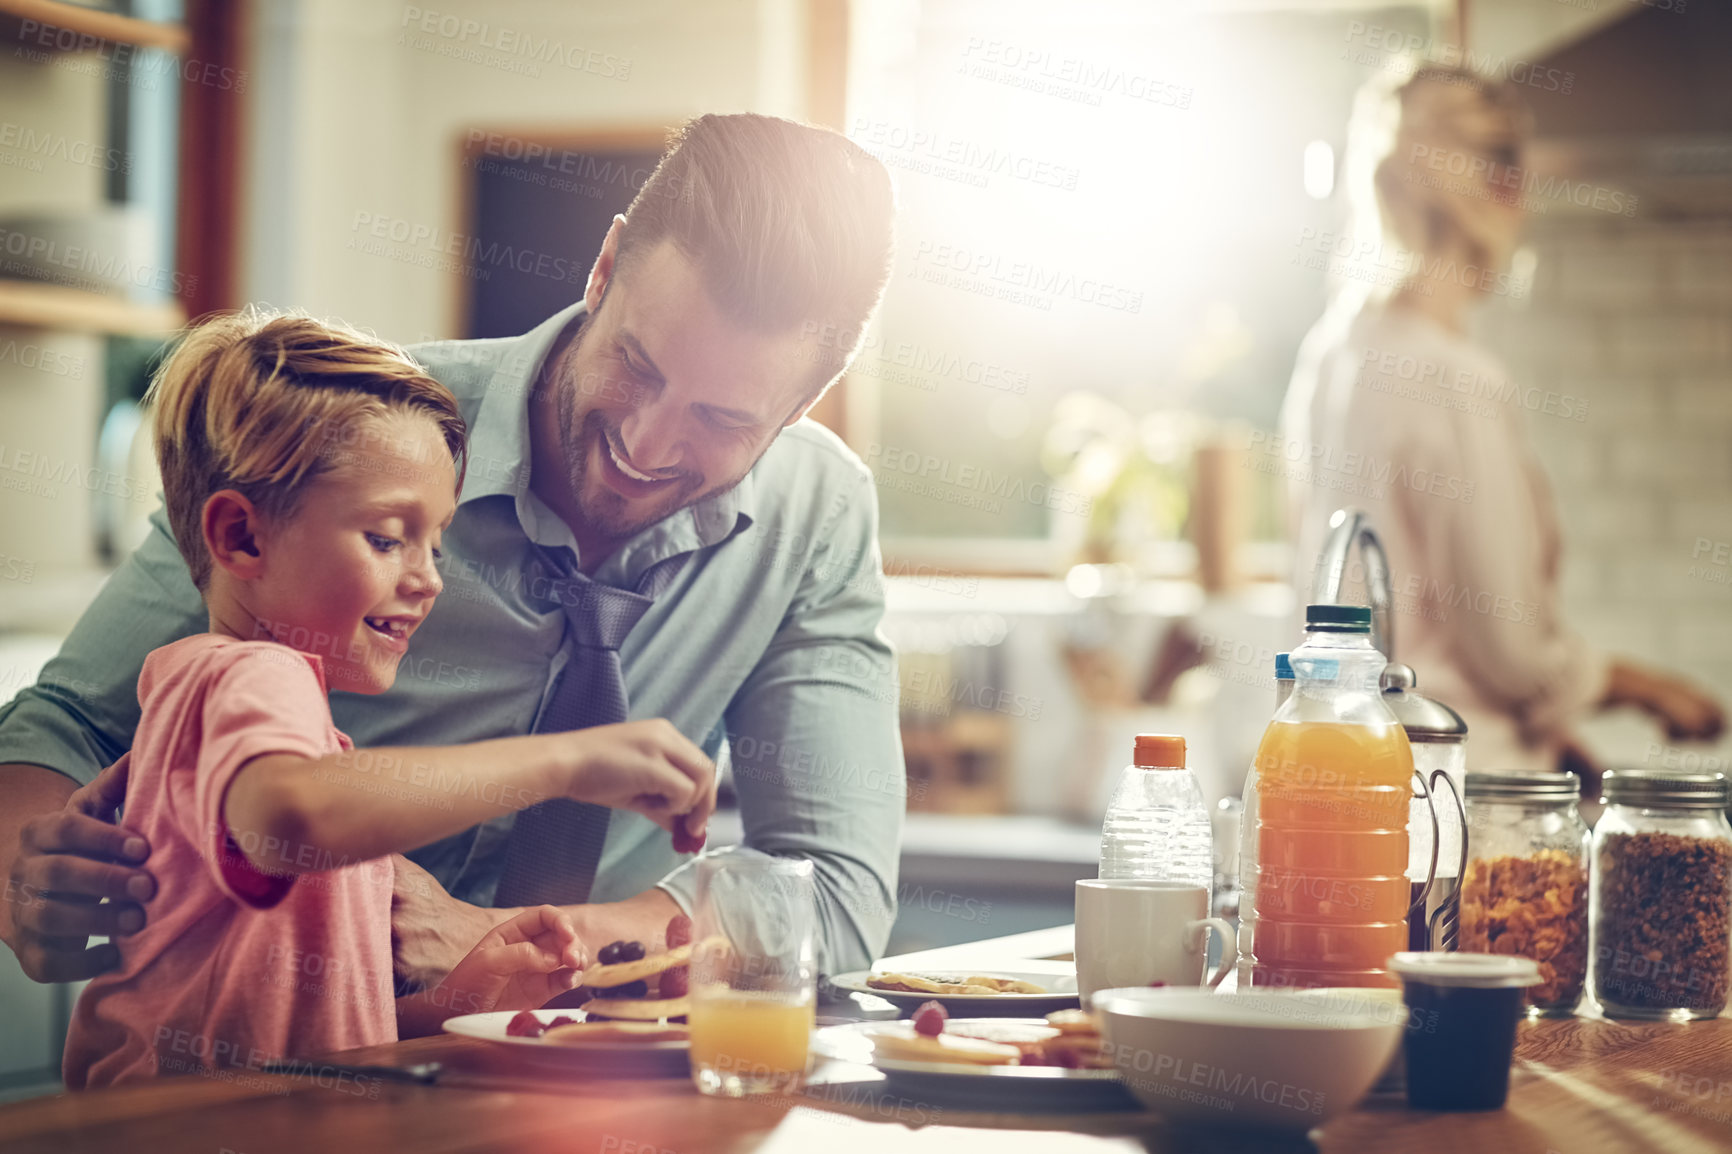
<point x="517" y="965"/>
<point x="648" y="767"/>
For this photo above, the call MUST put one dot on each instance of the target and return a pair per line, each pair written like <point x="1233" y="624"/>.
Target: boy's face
<point x="350" y="574"/>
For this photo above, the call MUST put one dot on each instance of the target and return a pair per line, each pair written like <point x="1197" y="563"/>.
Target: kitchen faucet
<point x="1346" y="528"/>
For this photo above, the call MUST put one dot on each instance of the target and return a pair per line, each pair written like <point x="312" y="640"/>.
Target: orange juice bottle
<point x="1330" y="892"/>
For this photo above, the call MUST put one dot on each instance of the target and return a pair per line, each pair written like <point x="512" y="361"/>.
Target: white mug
<point x="1134" y="932"/>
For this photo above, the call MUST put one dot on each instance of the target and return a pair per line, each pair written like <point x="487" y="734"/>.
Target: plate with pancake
<point x="633" y="1003"/>
<point x="570" y="1041"/>
<point x="1039" y="989"/>
<point x="571" y="1031"/>
<point x="998" y="1063"/>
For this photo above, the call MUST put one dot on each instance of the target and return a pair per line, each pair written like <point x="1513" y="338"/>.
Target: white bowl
<point x="1393" y="1079"/>
<point x="1270" y="1059"/>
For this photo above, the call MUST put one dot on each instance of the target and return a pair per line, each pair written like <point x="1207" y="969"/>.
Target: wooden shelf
<point x="48" y="306"/>
<point x="108" y="26"/>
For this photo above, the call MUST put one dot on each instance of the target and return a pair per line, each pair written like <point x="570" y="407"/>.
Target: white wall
<point x="1636" y="317"/>
<point x="358" y="108"/>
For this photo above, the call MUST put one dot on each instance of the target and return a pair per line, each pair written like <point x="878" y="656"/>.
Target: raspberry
<point x="675" y="982"/>
<point x="679" y="930"/>
<point x="524" y="1025"/>
<point x="684" y="841"/>
<point x="929" y="1019"/>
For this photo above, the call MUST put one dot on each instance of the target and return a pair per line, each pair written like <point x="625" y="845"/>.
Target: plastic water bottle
<point x="1157" y="826"/>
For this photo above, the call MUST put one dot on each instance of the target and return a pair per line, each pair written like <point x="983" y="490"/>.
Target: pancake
<point x="1074" y="1022"/>
<point x="624" y="973"/>
<point x="976" y="984"/>
<point x="905" y="1045"/>
<point x="583" y="1033"/>
<point x="637" y="1009"/>
<point x="915" y="984"/>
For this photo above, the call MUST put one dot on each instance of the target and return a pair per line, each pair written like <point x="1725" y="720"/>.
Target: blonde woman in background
<point x="1394" y="409"/>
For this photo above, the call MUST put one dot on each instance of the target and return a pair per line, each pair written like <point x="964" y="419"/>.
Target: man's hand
<point x="68" y="861"/>
<point x="431" y="931"/>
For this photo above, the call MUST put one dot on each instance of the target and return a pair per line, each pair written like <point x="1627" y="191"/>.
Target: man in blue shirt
<point x="660" y="420"/>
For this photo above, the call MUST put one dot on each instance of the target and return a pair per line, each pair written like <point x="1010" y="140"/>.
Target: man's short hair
<point x="788" y="224"/>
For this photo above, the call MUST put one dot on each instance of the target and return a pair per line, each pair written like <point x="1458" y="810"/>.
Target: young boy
<point x="308" y="473"/>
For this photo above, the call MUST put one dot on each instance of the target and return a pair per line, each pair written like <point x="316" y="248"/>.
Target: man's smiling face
<point x="662" y="400"/>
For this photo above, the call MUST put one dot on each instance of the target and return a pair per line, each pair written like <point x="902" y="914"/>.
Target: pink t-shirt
<point x="234" y="967"/>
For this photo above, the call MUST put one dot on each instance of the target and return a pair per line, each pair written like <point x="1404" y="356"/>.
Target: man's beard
<point x="604" y="511"/>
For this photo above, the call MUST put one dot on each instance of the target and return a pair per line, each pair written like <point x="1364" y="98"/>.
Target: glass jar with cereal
<point x="1661" y="896"/>
<point x="1525" y="892"/>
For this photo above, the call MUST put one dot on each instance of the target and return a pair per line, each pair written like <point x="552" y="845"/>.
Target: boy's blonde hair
<point x="263" y="403"/>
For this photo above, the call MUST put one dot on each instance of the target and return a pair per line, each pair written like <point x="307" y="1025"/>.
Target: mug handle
<point x="1198" y="931"/>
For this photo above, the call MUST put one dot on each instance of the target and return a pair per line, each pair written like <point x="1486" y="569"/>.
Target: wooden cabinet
<point x="90" y="103"/>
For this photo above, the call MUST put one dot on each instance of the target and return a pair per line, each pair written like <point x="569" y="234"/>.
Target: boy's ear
<point x="231" y="534"/>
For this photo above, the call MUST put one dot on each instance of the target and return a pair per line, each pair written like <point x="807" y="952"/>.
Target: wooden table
<point x="1580" y="1086"/>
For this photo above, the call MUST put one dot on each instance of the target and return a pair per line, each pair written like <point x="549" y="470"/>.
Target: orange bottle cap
<point x="1160" y="751"/>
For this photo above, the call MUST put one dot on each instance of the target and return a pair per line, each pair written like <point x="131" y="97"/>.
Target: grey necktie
<point x="555" y="845"/>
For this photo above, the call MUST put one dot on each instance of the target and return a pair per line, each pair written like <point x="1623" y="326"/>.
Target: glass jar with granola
<point x="1661" y="896"/>
<point x="1525" y="892"/>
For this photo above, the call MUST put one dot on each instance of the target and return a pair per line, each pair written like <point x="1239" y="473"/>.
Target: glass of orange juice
<point x="753" y="975"/>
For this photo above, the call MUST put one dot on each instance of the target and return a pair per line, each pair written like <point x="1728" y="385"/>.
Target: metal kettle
<point x="1437" y="843"/>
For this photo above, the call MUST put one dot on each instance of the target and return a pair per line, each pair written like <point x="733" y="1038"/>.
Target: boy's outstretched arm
<point x="290" y="814"/>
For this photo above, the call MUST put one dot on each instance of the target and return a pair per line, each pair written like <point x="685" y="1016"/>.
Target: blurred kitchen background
<point x="1117" y="220"/>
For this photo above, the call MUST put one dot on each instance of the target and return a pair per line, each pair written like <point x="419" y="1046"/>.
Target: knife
<point x="424" y="1073"/>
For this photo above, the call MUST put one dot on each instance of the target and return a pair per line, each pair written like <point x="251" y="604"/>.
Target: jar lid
<point x="1663" y="790"/>
<point x="1424" y="718"/>
<point x="1523" y="785"/>
<point x="1471" y="971"/>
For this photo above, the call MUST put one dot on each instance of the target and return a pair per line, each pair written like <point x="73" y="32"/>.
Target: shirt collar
<point x="499" y="440"/>
<point x="499" y="458"/>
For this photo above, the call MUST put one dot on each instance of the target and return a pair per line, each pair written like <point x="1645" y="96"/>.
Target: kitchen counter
<point x="1579" y="1085"/>
<point x="963" y="877"/>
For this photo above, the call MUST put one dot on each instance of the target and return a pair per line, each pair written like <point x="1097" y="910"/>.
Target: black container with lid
<point x="1461" y="1027"/>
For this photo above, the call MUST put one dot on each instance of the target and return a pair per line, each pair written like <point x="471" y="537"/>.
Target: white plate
<point x="1013" y="1088"/>
<point x="490" y="1027"/>
<point x="1059" y="981"/>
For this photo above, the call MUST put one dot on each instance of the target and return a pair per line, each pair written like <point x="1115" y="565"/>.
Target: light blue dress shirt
<point x="766" y="650"/>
